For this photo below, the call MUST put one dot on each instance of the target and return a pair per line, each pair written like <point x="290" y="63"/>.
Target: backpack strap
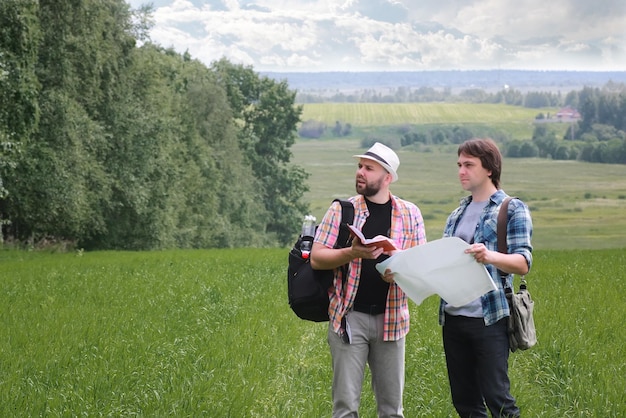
<point x="503" y="220"/>
<point x="347" y="217"/>
<point x="344" y="238"/>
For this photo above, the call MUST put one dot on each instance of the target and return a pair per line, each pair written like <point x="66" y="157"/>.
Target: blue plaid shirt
<point x="519" y="233"/>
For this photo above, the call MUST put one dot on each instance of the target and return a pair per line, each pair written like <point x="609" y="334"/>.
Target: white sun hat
<point x="384" y="156"/>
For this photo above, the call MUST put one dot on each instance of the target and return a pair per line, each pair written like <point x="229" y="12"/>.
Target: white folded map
<point x="439" y="267"/>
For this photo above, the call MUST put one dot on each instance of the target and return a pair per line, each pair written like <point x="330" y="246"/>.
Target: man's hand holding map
<point x="439" y="267"/>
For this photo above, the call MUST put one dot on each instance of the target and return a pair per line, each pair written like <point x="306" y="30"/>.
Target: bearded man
<point x="369" y="314"/>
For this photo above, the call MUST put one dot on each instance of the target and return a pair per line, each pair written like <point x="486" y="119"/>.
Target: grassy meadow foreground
<point x="209" y="333"/>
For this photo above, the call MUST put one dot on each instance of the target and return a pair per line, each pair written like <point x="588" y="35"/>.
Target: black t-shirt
<point x="372" y="288"/>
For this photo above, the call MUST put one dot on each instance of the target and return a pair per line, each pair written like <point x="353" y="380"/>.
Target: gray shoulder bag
<point x="521" y="327"/>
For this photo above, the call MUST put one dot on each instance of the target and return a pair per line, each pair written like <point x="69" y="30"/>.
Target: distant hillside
<point x="488" y="80"/>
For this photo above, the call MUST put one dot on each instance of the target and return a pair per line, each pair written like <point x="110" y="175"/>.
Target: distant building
<point x="567" y="114"/>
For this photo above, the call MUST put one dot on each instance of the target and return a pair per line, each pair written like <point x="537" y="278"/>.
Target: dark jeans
<point x="477" y="357"/>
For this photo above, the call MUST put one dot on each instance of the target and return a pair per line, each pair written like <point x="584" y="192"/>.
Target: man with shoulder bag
<point x="475" y="336"/>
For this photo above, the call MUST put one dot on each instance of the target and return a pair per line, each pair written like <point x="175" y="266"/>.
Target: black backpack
<point x="308" y="288"/>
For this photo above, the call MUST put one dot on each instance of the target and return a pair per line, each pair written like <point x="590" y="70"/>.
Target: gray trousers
<point x="385" y="360"/>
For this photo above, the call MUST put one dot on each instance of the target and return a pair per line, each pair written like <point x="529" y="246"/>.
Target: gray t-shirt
<point x="465" y="230"/>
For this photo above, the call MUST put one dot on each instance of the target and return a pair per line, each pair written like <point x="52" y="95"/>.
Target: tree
<point x="60" y="186"/>
<point x="536" y="100"/>
<point x="513" y="149"/>
<point x="544" y="140"/>
<point x="137" y="148"/>
<point x="19" y="87"/>
<point x="228" y="182"/>
<point x="180" y="179"/>
<point x="588" y="109"/>
<point x="461" y="134"/>
<point x="615" y="152"/>
<point x="621" y="113"/>
<point x="337" y="129"/>
<point x="312" y="129"/>
<point x="528" y="150"/>
<point x="571" y="100"/>
<point x="60" y="183"/>
<point x="509" y="96"/>
<point x="562" y="152"/>
<point x="268" y="116"/>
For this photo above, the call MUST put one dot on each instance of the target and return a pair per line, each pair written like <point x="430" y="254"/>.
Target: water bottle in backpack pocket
<point x="307" y="288"/>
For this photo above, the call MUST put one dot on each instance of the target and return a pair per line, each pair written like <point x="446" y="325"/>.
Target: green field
<point x="385" y="114"/>
<point x="379" y="118"/>
<point x="574" y="205"/>
<point x="209" y="333"/>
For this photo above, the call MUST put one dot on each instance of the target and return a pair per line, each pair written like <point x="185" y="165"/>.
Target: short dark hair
<point x="488" y="153"/>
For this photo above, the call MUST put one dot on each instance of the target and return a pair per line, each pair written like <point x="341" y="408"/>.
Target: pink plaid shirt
<point x="407" y="230"/>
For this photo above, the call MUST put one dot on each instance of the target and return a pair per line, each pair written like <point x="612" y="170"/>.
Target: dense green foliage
<point x="209" y="333"/>
<point x="104" y="144"/>
<point x="19" y="110"/>
<point x="268" y="116"/>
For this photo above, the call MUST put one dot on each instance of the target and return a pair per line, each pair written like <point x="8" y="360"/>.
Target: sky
<point x="396" y="35"/>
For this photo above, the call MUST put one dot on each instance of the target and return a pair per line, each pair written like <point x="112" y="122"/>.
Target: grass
<point x="575" y="205"/>
<point x="209" y="333"/>
<point x="579" y="306"/>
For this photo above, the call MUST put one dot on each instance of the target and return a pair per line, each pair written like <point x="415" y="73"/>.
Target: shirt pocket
<point x="490" y="231"/>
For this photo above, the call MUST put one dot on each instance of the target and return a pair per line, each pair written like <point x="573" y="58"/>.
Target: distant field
<point x="383" y="114"/>
<point x="368" y="117"/>
<point x="573" y="204"/>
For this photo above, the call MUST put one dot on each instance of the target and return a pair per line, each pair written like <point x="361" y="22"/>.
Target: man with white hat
<point x="369" y="315"/>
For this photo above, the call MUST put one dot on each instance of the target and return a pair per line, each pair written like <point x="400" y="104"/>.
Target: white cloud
<point x="300" y="35"/>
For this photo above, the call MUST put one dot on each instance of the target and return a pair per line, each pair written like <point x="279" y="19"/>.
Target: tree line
<point x="423" y="94"/>
<point x="105" y="144"/>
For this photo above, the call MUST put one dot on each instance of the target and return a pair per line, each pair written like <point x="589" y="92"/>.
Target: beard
<point x="369" y="189"/>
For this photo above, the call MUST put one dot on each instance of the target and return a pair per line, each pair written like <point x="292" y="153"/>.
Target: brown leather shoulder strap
<point x="502" y="222"/>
